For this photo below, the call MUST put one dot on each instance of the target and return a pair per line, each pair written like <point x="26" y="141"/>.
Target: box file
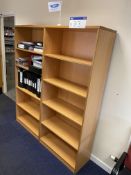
<point x="30" y="80"/>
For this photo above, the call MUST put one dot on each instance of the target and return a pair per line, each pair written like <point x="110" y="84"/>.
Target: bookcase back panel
<point x="22" y="97"/>
<point x="51" y="68"/>
<point x="20" y="53"/>
<point x="72" y="99"/>
<point x="37" y="35"/>
<point x="23" y="114"/>
<point x="28" y="103"/>
<point x="59" y="148"/>
<point x="19" y="111"/>
<point x="76" y="73"/>
<point x="53" y="39"/>
<point x="28" y="34"/>
<point x="30" y="123"/>
<point x="79" y="74"/>
<point x="43" y="131"/>
<point x="79" y="44"/>
<point x="22" y="34"/>
<point x="50" y="91"/>
<point x="46" y="113"/>
<point x="69" y="122"/>
<point x="69" y="42"/>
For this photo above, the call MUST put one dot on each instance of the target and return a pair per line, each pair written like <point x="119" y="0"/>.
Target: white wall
<point x="115" y="119"/>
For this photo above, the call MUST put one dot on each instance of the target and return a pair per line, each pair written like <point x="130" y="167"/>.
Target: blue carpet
<point x="22" y="154"/>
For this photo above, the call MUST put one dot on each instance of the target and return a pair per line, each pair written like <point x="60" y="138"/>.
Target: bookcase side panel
<point x="99" y="73"/>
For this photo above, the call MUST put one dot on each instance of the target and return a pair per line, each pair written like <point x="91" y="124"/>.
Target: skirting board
<point x="101" y="164"/>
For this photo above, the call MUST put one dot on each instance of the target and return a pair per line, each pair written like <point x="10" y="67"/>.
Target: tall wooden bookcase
<point x="27" y="104"/>
<point x="75" y="67"/>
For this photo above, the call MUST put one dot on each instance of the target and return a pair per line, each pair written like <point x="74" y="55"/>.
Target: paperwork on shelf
<point x="33" y="46"/>
<point x="37" y="61"/>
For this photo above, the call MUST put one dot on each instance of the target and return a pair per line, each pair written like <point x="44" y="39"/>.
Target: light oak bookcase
<point x="75" y="67"/>
<point x="27" y="103"/>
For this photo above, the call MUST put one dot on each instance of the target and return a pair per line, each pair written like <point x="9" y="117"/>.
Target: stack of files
<point x="23" y="61"/>
<point x="33" y="46"/>
<point x="38" y="47"/>
<point x="26" y="45"/>
<point x="30" y="81"/>
<point x="37" y="61"/>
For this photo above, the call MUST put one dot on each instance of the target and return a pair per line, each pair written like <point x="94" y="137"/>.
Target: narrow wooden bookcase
<point x="27" y="103"/>
<point x="75" y="68"/>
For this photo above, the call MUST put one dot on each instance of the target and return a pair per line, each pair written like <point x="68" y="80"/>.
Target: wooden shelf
<point x="23" y="67"/>
<point x="68" y="86"/>
<point x="70" y="59"/>
<point x="30" y="51"/>
<point x="28" y="93"/>
<point x="63" y="130"/>
<point x="69" y="111"/>
<point x="28" y="122"/>
<point x="60" y="149"/>
<point x="31" y="108"/>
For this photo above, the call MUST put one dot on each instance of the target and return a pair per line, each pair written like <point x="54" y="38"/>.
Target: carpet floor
<point x="22" y="154"/>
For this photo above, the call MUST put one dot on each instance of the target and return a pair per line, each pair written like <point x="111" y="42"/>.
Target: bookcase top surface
<point x="64" y="27"/>
<point x="29" y="26"/>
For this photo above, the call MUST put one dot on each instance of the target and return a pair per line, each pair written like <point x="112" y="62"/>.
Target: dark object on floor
<point x="22" y="154"/>
<point x="0" y="90"/>
<point x="123" y="165"/>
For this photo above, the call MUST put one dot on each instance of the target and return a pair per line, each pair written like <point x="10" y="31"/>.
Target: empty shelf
<point x="26" y="91"/>
<point x="60" y="149"/>
<point x="70" y="59"/>
<point x="63" y="130"/>
<point x="69" y="111"/>
<point x="28" y="122"/>
<point x="67" y="85"/>
<point x="31" y="108"/>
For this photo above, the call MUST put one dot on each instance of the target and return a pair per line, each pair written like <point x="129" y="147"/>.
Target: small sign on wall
<point x="54" y="6"/>
<point x="78" y="22"/>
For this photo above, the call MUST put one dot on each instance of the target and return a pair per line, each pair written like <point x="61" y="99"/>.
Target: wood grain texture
<point x="29" y="123"/>
<point x="69" y="111"/>
<point x="29" y="51"/>
<point x="50" y="68"/>
<point x="69" y="59"/>
<point x="75" y="60"/>
<point x="73" y="99"/>
<point x="63" y="130"/>
<point x="78" y="74"/>
<point x="68" y="86"/>
<point x="60" y="149"/>
<point x="28" y="93"/>
<point x="80" y="45"/>
<point x="31" y="108"/>
<point x="52" y="41"/>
